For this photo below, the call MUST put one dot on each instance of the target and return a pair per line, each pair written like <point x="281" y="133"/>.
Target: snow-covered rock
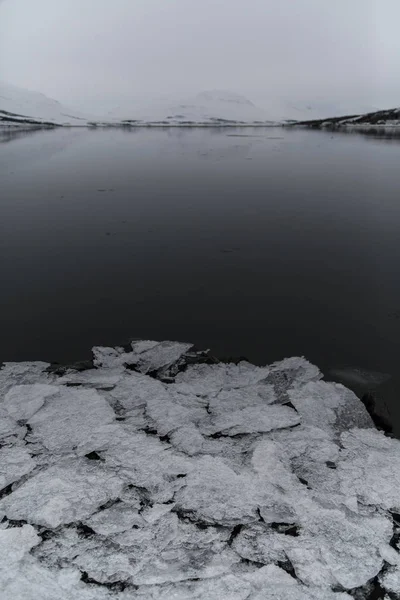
<point x="156" y="475"/>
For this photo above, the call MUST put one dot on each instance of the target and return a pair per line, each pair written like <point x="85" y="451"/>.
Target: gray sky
<point x="89" y="53"/>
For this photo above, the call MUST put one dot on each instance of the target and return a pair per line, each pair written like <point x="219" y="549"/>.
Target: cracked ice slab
<point x="207" y="379"/>
<point x="168" y="415"/>
<point x="329" y="406"/>
<point x="116" y="519"/>
<point x="97" y="378"/>
<point x="14" y="464"/>
<point x="22" y="401"/>
<point x="330" y="549"/>
<point x="273" y="583"/>
<point x="13" y="373"/>
<point x="133" y="391"/>
<point x="391" y="580"/>
<point x="15" y="543"/>
<point x="146" y="356"/>
<point x="214" y="493"/>
<point x="9" y="428"/>
<point x="309" y="455"/>
<point x="166" y="550"/>
<point x="370" y="468"/>
<point x="69" y="418"/>
<point x="62" y="494"/>
<point x="140" y="459"/>
<point x="22" y="577"/>
<point x="268" y="583"/>
<point x="237" y="399"/>
<point x="251" y="420"/>
<point x="201" y="483"/>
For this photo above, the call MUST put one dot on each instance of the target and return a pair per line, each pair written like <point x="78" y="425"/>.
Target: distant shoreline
<point x="6" y="125"/>
<point x="324" y="125"/>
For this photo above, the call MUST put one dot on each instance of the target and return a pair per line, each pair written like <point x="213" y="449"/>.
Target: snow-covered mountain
<point x="390" y="117"/>
<point x="215" y="107"/>
<point x="301" y="110"/>
<point x="384" y="118"/>
<point x="208" y="107"/>
<point x="20" y="105"/>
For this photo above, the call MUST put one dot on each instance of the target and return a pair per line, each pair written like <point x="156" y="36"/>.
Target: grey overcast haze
<point x="94" y="54"/>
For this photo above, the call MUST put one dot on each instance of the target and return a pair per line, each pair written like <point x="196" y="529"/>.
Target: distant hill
<point x="18" y="105"/>
<point x="212" y="107"/>
<point x="388" y="118"/>
<point x="215" y="107"/>
<point x="208" y="107"/>
<point x="318" y="109"/>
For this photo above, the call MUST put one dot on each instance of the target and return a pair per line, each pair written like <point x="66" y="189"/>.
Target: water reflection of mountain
<point x="8" y="134"/>
<point x="376" y="133"/>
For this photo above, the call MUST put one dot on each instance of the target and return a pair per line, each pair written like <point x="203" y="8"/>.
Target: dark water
<point x="262" y="243"/>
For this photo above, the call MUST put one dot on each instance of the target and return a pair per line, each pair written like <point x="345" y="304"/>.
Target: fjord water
<point x="263" y="243"/>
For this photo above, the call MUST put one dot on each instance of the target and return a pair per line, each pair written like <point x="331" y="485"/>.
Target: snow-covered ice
<point x="159" y="473"/>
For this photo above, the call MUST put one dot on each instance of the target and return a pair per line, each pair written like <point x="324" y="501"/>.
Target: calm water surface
<point x="262" y="243"/>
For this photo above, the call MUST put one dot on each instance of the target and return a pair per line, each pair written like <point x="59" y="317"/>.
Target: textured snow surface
<point x="160" y="473"/>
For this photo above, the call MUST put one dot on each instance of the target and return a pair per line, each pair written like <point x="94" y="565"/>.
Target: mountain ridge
<point x="19" y="106"/>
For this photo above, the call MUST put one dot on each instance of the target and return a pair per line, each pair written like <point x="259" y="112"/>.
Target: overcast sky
<point x="90" y="52"/>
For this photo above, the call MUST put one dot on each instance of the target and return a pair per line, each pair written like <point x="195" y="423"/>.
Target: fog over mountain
<point x="207" y="107"/>
<point x="97" y="55"/>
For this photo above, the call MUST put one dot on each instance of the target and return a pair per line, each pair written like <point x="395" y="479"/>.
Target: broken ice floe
<point x="158" y="472"/>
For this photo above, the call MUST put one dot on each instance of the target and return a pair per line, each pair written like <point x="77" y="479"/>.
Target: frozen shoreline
<point x="159" y="472"/>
